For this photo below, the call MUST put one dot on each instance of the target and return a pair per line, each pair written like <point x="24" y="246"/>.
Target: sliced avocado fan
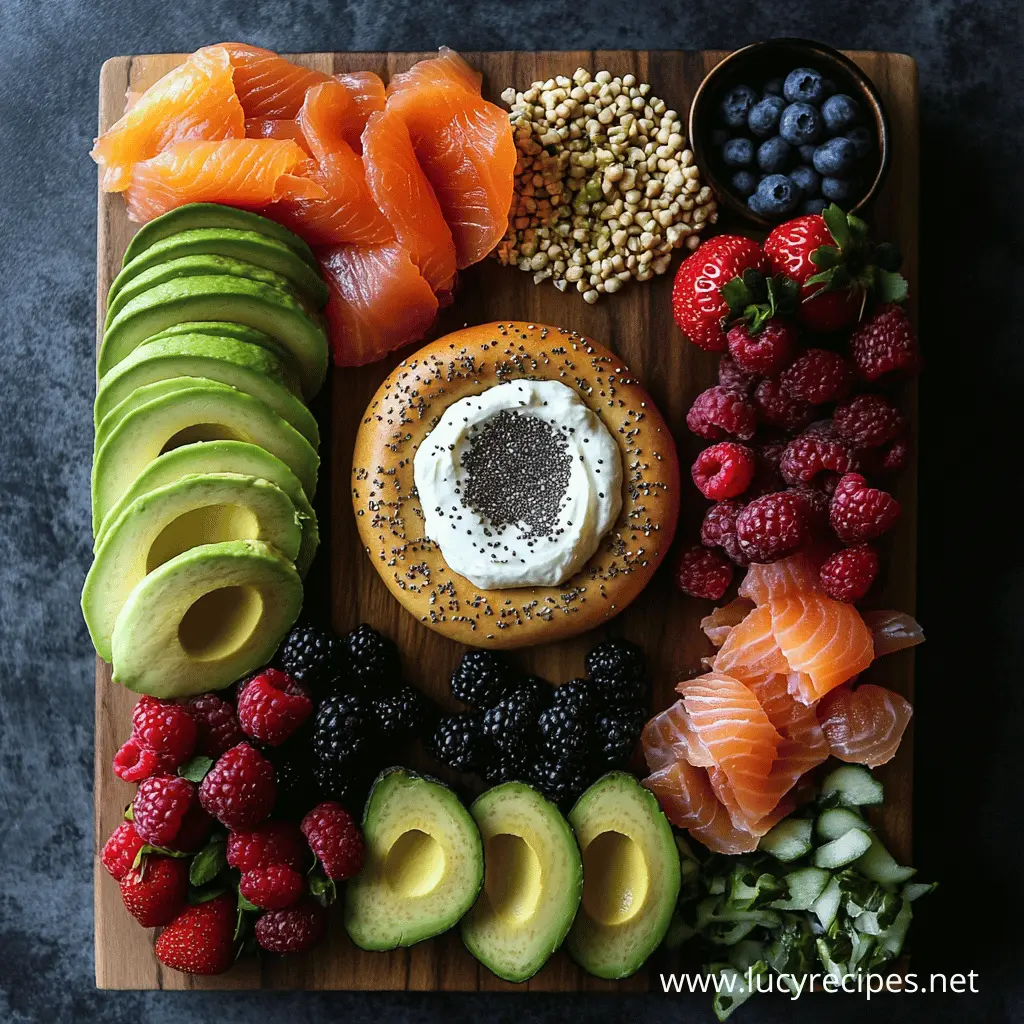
<point x="203" y="619"/>
<point x="237" y="332"/>
<point x="238" y="364"/>
<point x="197" y="410"/>
<point x="252" y="246"/>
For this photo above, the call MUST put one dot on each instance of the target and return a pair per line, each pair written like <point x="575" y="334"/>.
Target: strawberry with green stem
<point x="762" y="339"/>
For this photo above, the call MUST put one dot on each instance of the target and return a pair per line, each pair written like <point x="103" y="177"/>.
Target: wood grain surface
<point x="637" y="323"/>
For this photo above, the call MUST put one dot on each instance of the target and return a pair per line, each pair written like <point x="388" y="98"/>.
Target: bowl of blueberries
<point x="788" y="126"/>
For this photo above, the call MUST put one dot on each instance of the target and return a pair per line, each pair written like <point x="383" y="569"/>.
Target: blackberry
<point x="582" y="695"/>
<point x="307" y="653"/>
<point x="624" y="691"/>
<point x="481" y="679"/>
<point x="374" y="657"/>
<point x="400" y="715"/>
<point x="508" y="766"/>
<point x="539" y="690"/>
<point x="346" y="784"/>
<point x="459" y="742"/>
<point x="617" y="732"/>
<point x="559" y="780"/>
<point x="508" y="725"/>
<point x="296" y="787"/>
<point x="614" y="660"/>
<point x="564" y="732"/>
<point x="341" y="730"/>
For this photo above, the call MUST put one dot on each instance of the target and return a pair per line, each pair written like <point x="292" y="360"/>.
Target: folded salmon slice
<point x="669" y="737"/>
<point x="864" y="725"/>
<point x="465" y="147"/>
<point x="249" y="173"/>
<point x="195" y="101"/>
<point x="893" y="631"/>
<point x="765" y="582"/>
<point x="379" y="301"/>
<point x="368" y="96"/>
<point x="750" y="651"/>
<point x="717" y="626"/>
<point x="268" y="85"/>
<point x="282" y="128"/>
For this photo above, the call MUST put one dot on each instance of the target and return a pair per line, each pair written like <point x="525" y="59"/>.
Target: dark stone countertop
<point x="970" y="708"/>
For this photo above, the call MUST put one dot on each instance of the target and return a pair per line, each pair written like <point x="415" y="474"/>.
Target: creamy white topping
<point x="519" y="484"/>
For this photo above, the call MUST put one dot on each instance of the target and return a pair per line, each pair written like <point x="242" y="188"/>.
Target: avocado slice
<point x="251" y="246"/>
<point x="197" y="410"/>
<point x="245" y="367"/>
<point x="533" y="880"/>
<point x="424" y="863"/>
<point x="204" y="457"/>
<point x="630" y="877"/>
<point x="220" y="297"/>
<point x="205" y="618"/>
<point x="162" y="523"/>
<point x="237" y="332"/>
<point x="200" y="265"/>
<point x="213" y="215"/>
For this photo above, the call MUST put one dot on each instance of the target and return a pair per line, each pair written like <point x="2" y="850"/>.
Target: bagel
<point x="410" y="404"/>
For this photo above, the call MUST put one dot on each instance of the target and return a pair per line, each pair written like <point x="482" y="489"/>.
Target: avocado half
<point x="197" y="410"/>
<point x="424" y="863"/>
<point x="205" y="618"/>
<point x="164" y="522"/>
<point x="630" y="877"/>
<point x="533" y="881"/>
<point x="238" y="364"/>
<point x="206" y="457"/>
<point x="253" y="247"/>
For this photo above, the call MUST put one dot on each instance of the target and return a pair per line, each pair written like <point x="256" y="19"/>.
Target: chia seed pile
<point x="518" y="470"/>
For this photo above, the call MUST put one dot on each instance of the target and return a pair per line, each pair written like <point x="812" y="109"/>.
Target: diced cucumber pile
<point x="821" y="894"/>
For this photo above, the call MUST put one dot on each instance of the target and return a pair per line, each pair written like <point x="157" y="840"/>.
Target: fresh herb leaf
<point x="195" y="768"/>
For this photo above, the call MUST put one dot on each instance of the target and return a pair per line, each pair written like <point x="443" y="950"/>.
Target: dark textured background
<point x="968" y="812"/>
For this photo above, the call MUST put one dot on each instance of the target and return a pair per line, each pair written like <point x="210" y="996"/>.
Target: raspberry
<point x="810" y="454"/>
<point x="160" y="806"/>
<point x="818" y="376"/>
<point x="154" y="892"/>
<point x="121" y="849"/>
<point x="335" y="839"/>
<point x="723" y="471"/>
<point x="701" y="572"/>
<point x="815" y="505"/>
<point x="766" y="353"/>
<point x="195" y="827"/>
<point x="860" y="512"/>
<point x="732" y="375"/>
<point x="767" y="477"/>
<point x="884" y="347"/>
<point x="133" y="763"/>
<point x="165" y="728"/>
<point x="273" y="842"/>
<point x="292" y="930"/>
<point x="869" y="421"/>
<point x="239" y="789"/>
<point x="719" y="530"/>
<point x="771" y="527"/>
<point x="848" y="574"/>
<point x="778" y="408"/>
<point x="272" y="888"/>
<point x="896" y="457"/>
<point x="273" y="706"/>
<point x="217" y="727"/>
<point x="720" y="411"/>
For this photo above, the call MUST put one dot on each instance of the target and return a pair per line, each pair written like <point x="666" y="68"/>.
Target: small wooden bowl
<point x="772" y="58"/>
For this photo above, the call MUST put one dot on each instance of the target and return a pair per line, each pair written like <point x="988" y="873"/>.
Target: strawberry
<point x="828" y="254"/>
<point x="200" y="940"/>
<point x="698" y="305"/>
<point x="155" y="891"/>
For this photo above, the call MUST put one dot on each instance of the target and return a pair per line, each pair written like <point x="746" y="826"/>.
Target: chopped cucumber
<point x="789" y="840"/>
<point x="805" y="886"/>
<point x="748" y="889"/>
<point x="890" y="942"/>
<point x="842" y="851"/>
<point x="915" y="890"/>
<point x="733" y="990"/>
<point x="837" y="821"/>
<point x="852" y="786"/>
<point x="826" y="906"/>
<point x="878" y="864"/>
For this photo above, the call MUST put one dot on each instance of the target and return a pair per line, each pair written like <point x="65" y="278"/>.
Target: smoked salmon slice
<point x="276" y="128"/>
<point x="669" y="737"/>
<point x="405" y="197"/>
<point x="766" y="582"/>
<point x="864" y="725"/>
<point x="750" y="650"/>
<point x="195" y="101"/>
<point x="368" y="96"/>
<point x="268" y="85"/>
<point x="249" y="173"/>
<point x="464" y="145"/>
<point x="717" y="625"/>
<point x="379" y="301"/>
<point x="893" y="631"/>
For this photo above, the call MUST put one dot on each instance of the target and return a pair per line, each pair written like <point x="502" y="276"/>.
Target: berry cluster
<point x="558" y="739"/>
<point x="803" y="433"/>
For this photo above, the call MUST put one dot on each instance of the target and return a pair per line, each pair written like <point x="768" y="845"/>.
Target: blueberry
<point x="804" y="85"/>
<point x="863" y="140"/>
<point x="736" y="106"/>
<point x="838" y="190"/>
<point x="776" y="196"/>
<point x="774" y="155"/>
<point x="807" y="154"/>
<point x="763" y="120"/>
<point x="840" y="112"/>
<point x="744" y="184"/>
<point x="773" y="87"/>
<point x="807" y="179"/>
<point x="813" y="206"/>
<point x="800" y="123"/>
<point x="719" y="137"/>
<point x="836" y="157"/>
<point x="738" y="152"/>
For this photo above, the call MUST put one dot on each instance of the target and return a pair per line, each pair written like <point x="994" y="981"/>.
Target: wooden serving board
<point x="637" y="323"/>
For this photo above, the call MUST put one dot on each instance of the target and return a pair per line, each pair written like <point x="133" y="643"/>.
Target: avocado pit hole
<point x="512" y="876"/>
<point x="415" y="864"/>
<point x="220" y="622"/>
<point x="615" y="878"/>
<point x="200" y="432"/>
<point x="210" y="524"/>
